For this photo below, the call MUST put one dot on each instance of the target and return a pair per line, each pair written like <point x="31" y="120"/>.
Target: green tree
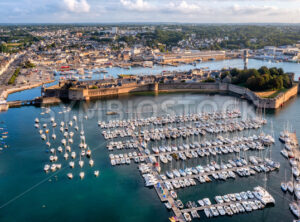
<point x="264" y="70"/>
<point x="234" y="72"/>
<point x="274" y="71"/>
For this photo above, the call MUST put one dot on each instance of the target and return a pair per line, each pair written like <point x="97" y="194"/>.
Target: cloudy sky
<point x="192" y="11"/>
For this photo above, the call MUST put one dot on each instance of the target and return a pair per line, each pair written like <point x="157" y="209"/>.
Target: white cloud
<point x="138" y="5"/>
<point x="184" y="7"/>
<point x="252" y="9"/>
<point x="77" y="6"/>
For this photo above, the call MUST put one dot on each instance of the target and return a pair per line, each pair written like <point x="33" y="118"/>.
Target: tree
<point x="274" y="71"/>
<point x="224" y="74"/>
<point x="264" y="70"/>
<point x="251" y="83"/>
<point x="252" y="72"/>
<point x="234" y="72"/>
<point x="280" y="71"/>
<point x="209" y="79"/>
<point x="266" y="77"/>
<point x="287" y="83"/>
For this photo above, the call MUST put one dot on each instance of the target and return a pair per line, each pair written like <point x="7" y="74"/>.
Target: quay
<point x="164" y="194"/>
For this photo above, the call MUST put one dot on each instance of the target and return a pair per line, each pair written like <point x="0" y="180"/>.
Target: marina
<point x="142" y="111"/>
<point x="144" y="133"/>
<point x="246" y="143"/>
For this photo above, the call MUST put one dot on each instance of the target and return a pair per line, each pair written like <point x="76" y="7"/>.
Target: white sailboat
<point x="96" y="173"/>
<point x="46" y="168"/>
<point x="283" y="185"/>
<point x="81" y="163"/>
<point x="81" y="174"/>
<point x="72" y="164"/>
<point x="73" y="155"/>
<point x="70" y="176"/>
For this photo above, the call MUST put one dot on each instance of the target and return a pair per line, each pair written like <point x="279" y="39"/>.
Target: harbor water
<point x="119" y="194"/>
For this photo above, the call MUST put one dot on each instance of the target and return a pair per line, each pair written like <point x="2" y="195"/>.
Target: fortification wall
<point x="205" y="87"/>
<point x="284" y="97"/>
<point x="269" y="103"/>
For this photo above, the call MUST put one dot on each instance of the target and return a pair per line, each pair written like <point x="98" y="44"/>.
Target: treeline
<point x="159" y="37"/>
<point x="230" y="36"/>
<point x="261" y="79"/>
<point x="15" y="40"/>
<point x="28" y="65"/>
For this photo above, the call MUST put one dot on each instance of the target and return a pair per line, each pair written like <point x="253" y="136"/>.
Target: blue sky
<point x="194" y="11"/>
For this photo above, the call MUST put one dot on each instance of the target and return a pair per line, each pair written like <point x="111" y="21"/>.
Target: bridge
<point x="19" y="103"/>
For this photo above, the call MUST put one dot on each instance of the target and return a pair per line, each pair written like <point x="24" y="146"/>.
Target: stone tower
<point x="245" y="59"/>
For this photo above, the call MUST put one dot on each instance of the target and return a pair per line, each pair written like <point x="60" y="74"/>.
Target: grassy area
<point x="13" y="44"/>
<point x="14" y="76"/>
<point x="276" y="93"/>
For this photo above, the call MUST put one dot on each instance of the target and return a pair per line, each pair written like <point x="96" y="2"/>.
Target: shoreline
<point x="4" y="94"/>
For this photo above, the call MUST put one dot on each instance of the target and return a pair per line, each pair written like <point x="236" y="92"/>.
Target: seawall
<point x="4" y="94"/>
<point x="87" y="94"/>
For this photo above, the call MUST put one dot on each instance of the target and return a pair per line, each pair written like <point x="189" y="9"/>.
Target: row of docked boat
<point x="183" y="178"/>
<point x="291" y="186"/>
<point x="163" y="120"/>
<point x="167" y="153"/>
<point x="171" y="132"/>
<point x="192" y="150"/>
<point x="289" y="144"/>
<point x="120" y="159"/>
<point x="128" y="144"/>
<point x="234" y="197"/>
<point x="222" y="144"/>
<point x="229" y="204"/>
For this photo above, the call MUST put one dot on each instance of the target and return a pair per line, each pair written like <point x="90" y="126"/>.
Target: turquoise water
<point x="118" y="194"/>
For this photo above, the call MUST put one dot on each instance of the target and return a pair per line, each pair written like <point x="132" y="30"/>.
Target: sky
<point x="183" y="11"/>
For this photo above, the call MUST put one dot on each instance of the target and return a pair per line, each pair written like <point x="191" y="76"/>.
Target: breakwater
<point x="6" y="91"/>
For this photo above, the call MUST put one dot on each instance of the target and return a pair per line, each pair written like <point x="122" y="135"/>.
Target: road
<point x="4" y="78"/>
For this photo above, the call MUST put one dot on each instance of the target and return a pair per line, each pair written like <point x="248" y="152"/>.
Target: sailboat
<point x="290" y="185"/>
<point x="73" y="155"/>
<point x="81" y="163"/>
<point x="72" y="164"/>
<point x="46" y="168"/>
<point x="283" y="185"/>
<point x="81" y="174"/>
<point x="60" y="149"/>
<point x="66" y="155"/>
<point x="96" y="173"/>
<point x="70" y="175"/>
